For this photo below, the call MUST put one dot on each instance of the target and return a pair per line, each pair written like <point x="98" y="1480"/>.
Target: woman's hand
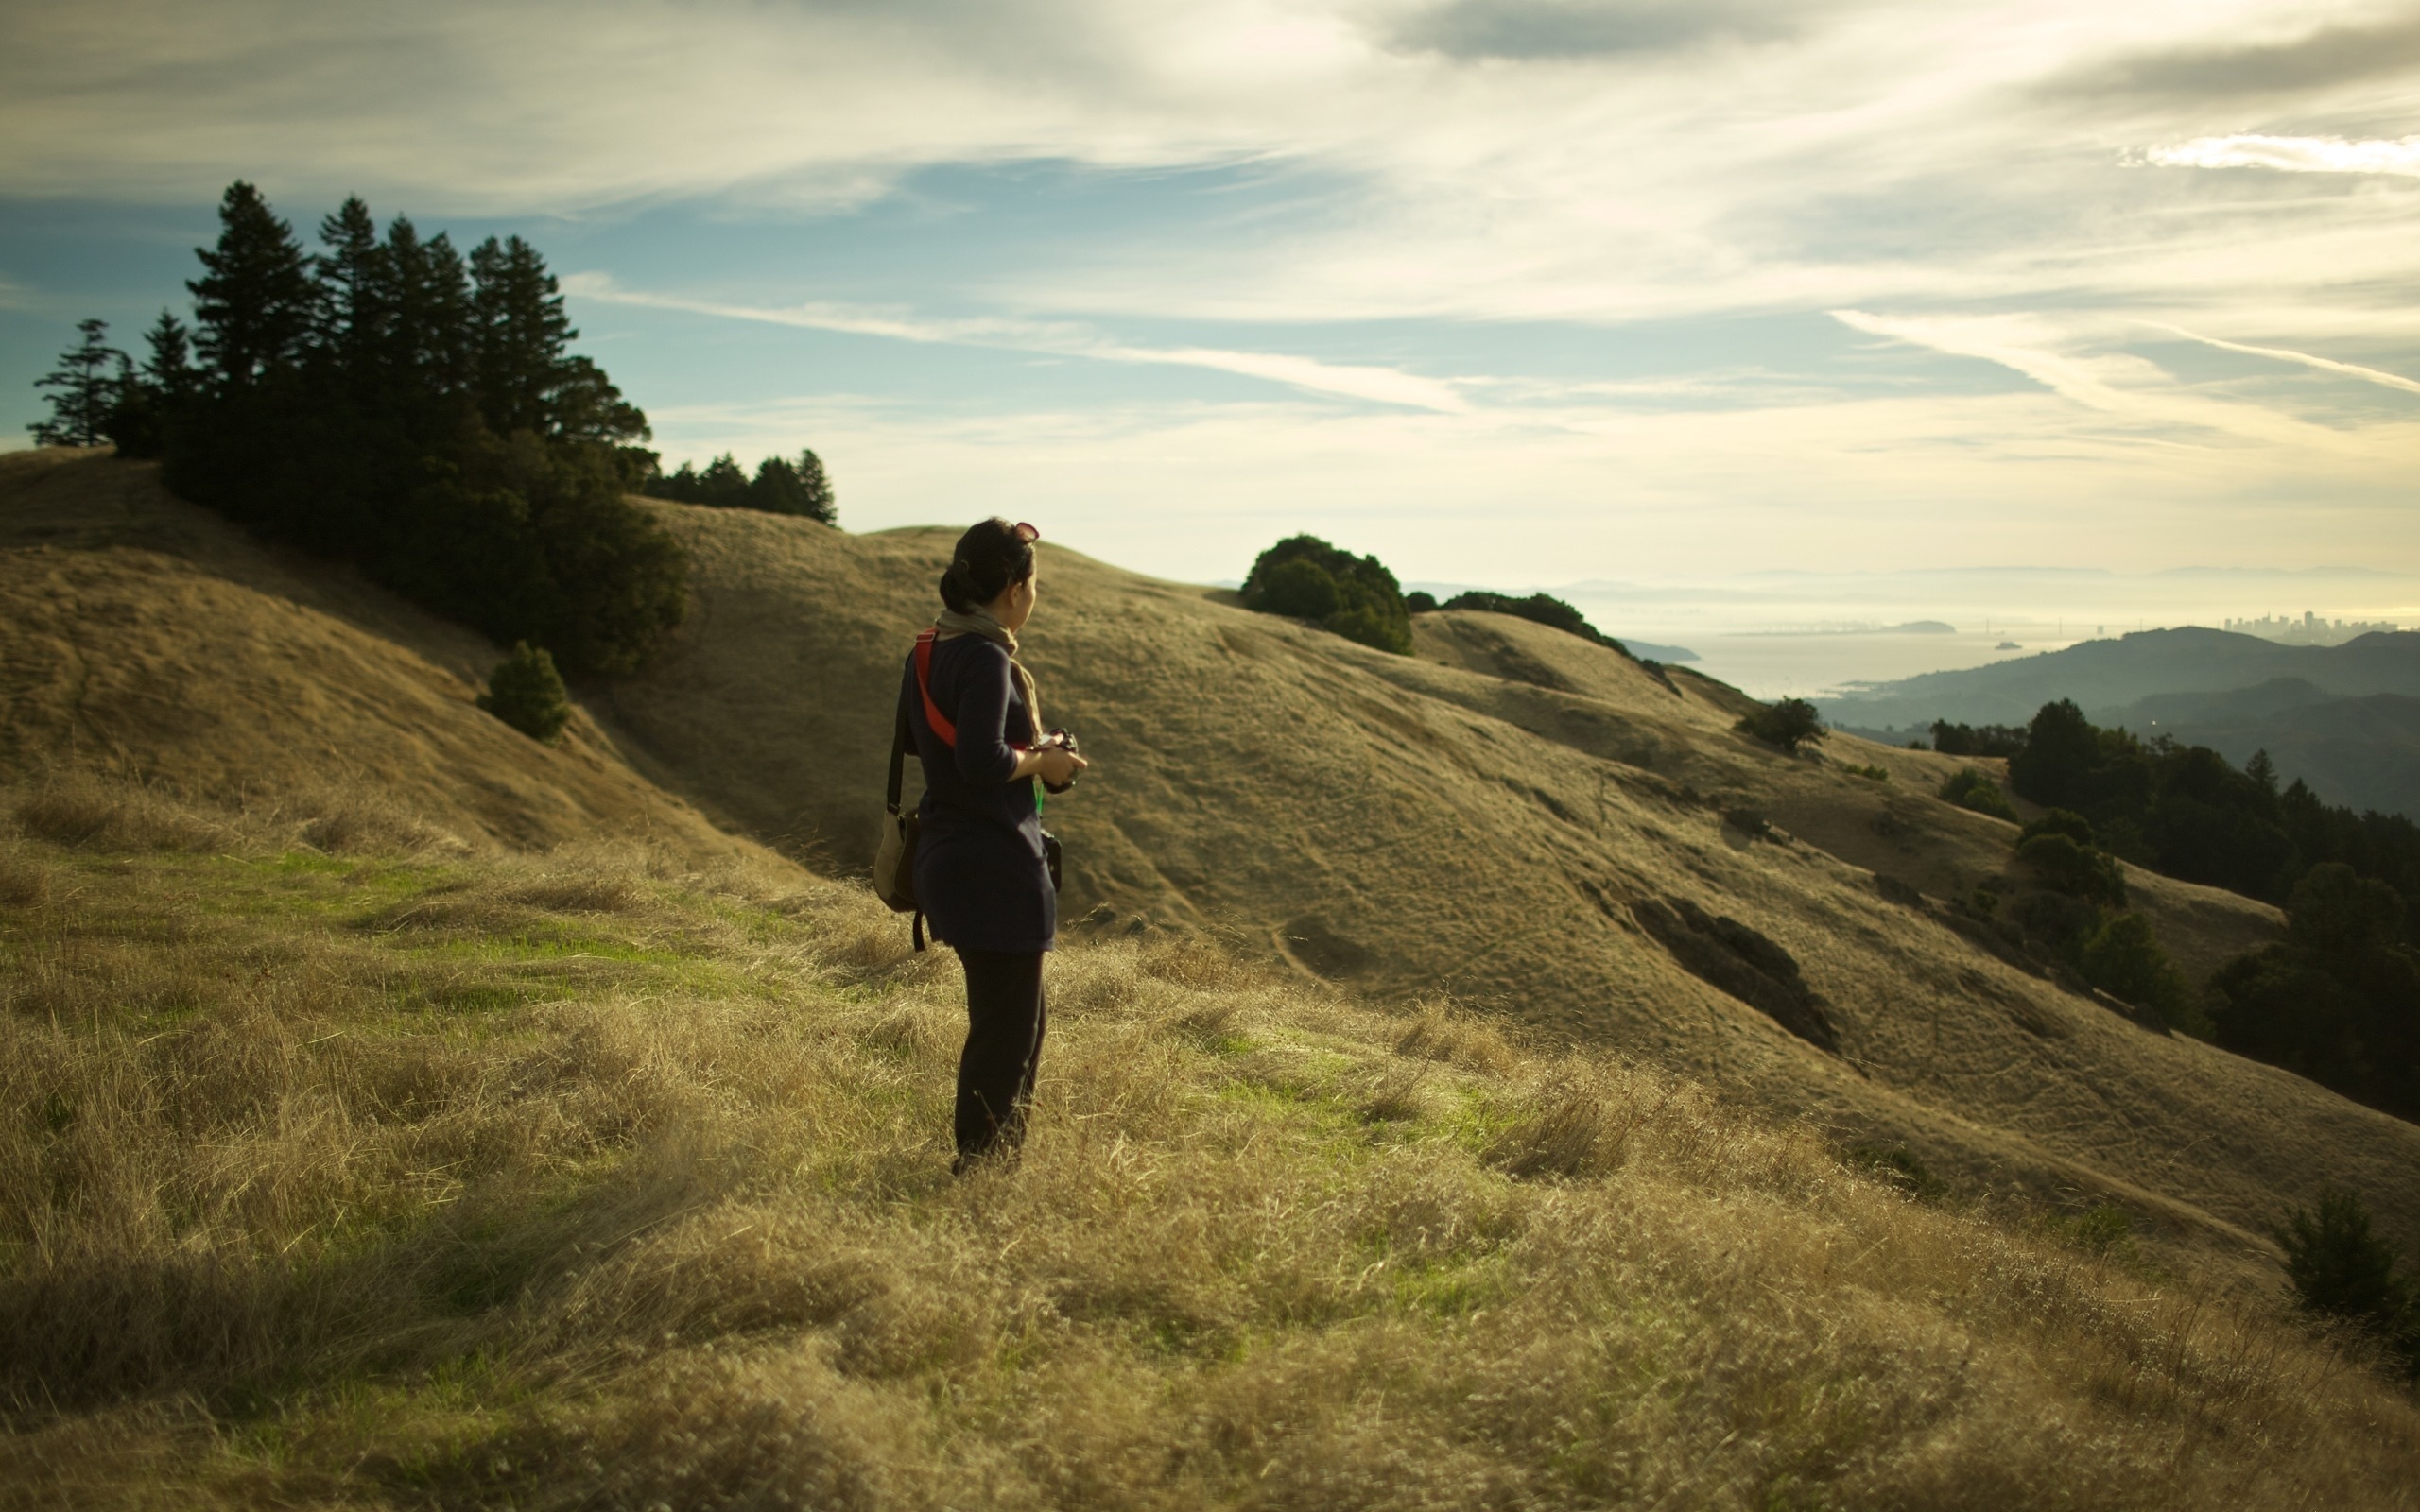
<point x="1054" y="764"/>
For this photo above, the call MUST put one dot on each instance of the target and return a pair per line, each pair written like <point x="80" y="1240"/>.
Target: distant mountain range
<point x="2344" y="718"/>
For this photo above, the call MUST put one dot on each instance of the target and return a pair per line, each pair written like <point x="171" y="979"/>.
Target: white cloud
<point x="2294" y="154"/>
<point x="1386" y="386"/>
<point x="2117" y="385"/>
<point x="2350" y="369"/>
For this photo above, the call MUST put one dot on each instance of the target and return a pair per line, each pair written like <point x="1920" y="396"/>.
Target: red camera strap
<point x="941" y="724"/>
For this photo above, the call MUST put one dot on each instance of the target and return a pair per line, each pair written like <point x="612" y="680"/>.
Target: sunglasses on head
<point x="1027" y="533"/>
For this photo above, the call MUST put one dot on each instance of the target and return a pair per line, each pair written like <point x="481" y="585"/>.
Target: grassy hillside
<point x="1528" y="823"/>
<point x="1499" y="817"/>
<point x="143" y="636"/>
<point x="400" y="1175"/>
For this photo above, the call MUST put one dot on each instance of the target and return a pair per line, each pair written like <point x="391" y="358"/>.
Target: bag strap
<point x="898" y="761"/>
<point x="942" y="726"/>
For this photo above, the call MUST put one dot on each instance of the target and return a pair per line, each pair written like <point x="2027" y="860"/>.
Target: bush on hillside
<point x="2123" y="958"/>
<point x="2342" y="1269"/>
<point x="1786" y="725"/>
<point x="394" y="403"/>
<point x="780" y="487"/>
<point x="1543" y="609"/>
<point x="2076" y="870"/>
<point x="526" y="692"/>
<point x="2058" y="822"/>
<point x="1304" y="578"/>
<point x="1970" y="788"/>
<point x="1420" y="601"/>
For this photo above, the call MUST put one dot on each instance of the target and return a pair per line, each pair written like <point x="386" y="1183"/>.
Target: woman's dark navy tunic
<point x="980" y="870"/>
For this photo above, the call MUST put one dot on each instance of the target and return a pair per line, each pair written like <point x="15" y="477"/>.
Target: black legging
<point x="1004" y="1024"/>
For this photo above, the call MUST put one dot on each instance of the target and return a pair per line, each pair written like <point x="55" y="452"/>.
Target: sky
<point x="1507" y="292"/>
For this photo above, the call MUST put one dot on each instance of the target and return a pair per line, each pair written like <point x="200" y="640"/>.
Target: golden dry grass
<point x="1485" y="818"/>
<point x="424" y="1178"/>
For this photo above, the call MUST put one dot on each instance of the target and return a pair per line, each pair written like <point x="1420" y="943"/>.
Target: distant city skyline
<point x="1515" y="292"/>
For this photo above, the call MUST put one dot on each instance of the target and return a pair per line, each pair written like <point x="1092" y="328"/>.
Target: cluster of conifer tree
<point x="2338" y="1000"/>
<point x="390" y="402"/>
<point x="780" y="487"/>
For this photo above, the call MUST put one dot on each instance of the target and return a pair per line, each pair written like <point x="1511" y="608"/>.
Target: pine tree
<point x="722" y="484"/>
<point x="253" y="306"/>
<point x="784" y="486"/>
<point x="820" y="501"/>
<point x="352" y="313"/>
<point x="427" y="347"/>
<point x="80" y="412"/>
<point x="169" y="370"/>
<point x="522" y="337"/>
<point x="526" y="692"/>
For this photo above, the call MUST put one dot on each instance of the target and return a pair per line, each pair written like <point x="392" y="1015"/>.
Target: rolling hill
<point x="2344" y="718"/>
<point x="1535" y="826"/>
<point x="2110" y="673"/>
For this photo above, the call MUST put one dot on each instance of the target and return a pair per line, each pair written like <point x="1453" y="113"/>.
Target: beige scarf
<point x="951" y="623"/>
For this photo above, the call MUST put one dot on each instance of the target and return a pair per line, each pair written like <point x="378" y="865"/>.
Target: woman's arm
<point x="985" y="759"/>
<point x="984" y="756"/>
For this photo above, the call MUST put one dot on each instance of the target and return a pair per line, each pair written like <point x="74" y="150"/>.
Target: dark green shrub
<point x="2055" y="922"/>
<point x="1419" y="601"/>
<point x="1786" y="725"/>
<point x="2123" y="958"/>
<point x="1872" y="774"/>
<point x="2058" y="822"/>
<point x="1305" y="578"/>
<point x="1299" y="590"/>
<point x="1543" y="609"/>
<point x="526" y="692"/>
<point x="1969" y="788"/>
<point x="2342" y="1270"/>
<point x="2078" y="872"/>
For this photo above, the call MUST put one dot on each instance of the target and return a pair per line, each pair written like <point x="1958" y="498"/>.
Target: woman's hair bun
<point x="989" y="557"/>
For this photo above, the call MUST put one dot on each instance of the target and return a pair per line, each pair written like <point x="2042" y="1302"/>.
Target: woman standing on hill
<point x="981" y="874"/>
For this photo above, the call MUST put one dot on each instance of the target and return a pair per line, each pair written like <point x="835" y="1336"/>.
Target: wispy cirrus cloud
<point x="2294" y="154"/>
<point x="2350" y="369"/>
<point x="1385" y="385"/>
<point x="2117" y="383"/>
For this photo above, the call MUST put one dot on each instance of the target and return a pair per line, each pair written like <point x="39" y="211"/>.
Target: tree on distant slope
<point x="1787" y="726"/>
<point x="799" y="487"/>
<point x="1544" y="608"/>
<point x="1305" y="578"/>
<point x="87" y="390"/>
<point x="2338" y="1000"/>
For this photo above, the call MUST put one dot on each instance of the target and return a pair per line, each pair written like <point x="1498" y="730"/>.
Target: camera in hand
<point x="1067" y="741"/>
